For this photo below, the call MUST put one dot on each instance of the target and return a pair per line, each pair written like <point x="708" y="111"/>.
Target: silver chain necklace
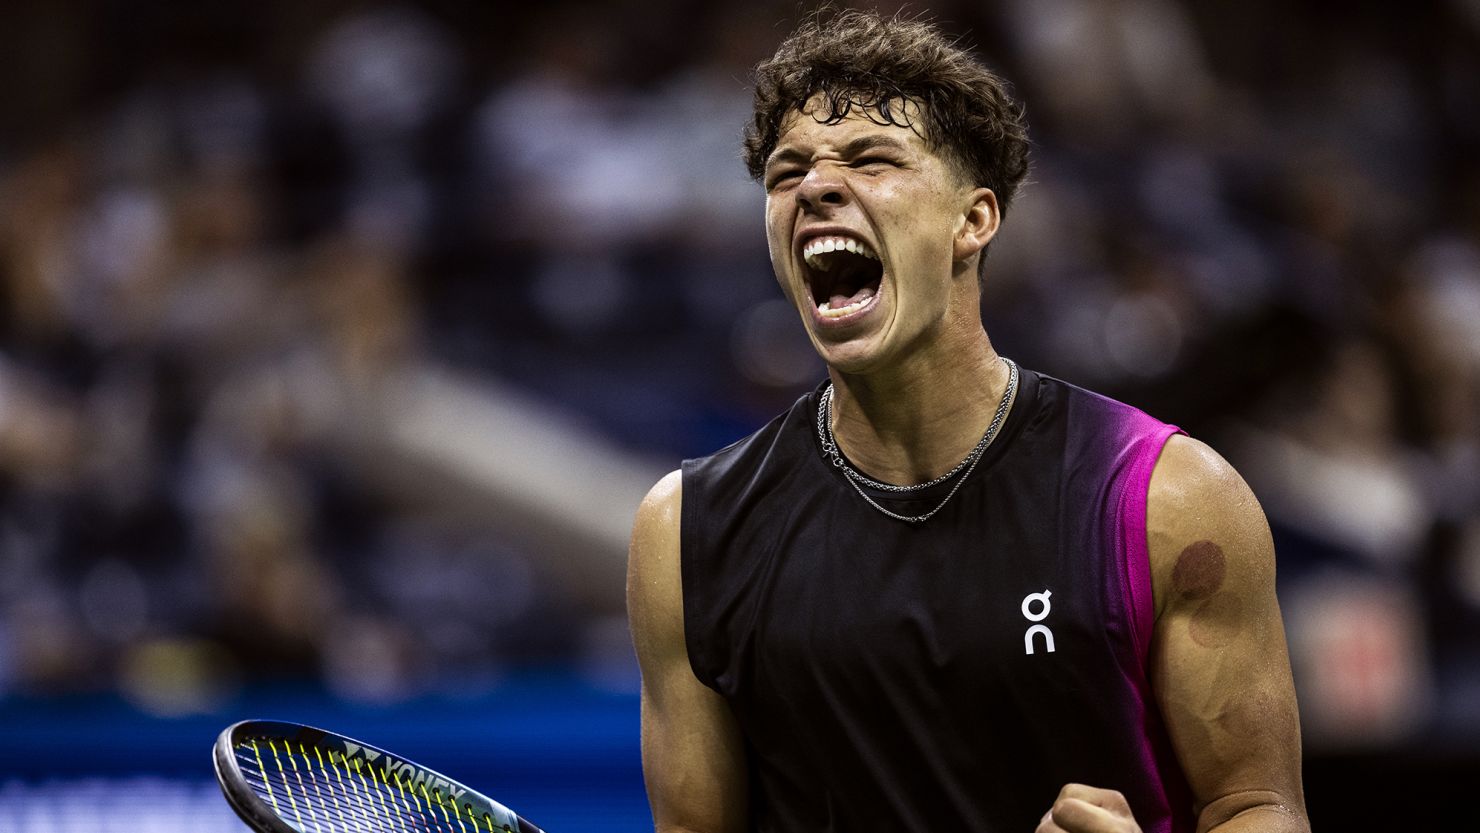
<point x="858" y="479"/>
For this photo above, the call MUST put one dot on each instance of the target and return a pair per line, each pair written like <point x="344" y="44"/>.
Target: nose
<point x="821" y="187"/>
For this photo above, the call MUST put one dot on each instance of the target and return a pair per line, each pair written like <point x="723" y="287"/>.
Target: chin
<point x="851" y="357"/>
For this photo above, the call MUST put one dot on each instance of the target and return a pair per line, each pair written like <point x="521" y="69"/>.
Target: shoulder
<point x="1205" y="529"/>
<point x="654" y="579"/>
<point x="1194" y="489"/>
<point x="656" y="525"/>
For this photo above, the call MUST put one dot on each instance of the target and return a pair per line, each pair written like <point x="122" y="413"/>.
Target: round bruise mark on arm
<point x="1215" y="622"/>
<point x="1199" y="571"/>
<point x="1255" y="713"/>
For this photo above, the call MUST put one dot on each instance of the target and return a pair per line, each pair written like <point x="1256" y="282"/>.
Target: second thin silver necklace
<point x="964" y="468"/>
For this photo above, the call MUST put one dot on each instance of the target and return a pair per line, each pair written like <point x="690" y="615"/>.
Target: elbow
<point x="1265" y="811"/>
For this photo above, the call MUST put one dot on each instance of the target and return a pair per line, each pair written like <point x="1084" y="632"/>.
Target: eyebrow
<point x="858" y="146"/>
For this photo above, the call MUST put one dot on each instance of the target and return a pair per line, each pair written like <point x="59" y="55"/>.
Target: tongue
<point x="840" y="300"/>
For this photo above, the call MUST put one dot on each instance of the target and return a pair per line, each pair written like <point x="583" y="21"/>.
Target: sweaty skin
<point x="1199" y="571"/>
<point x="916" y="380"/>
<point x="1219" y="665"/>
<point x="915" y="376"/>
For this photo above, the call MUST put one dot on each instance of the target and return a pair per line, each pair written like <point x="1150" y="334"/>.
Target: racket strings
<point x="322" y="792"/>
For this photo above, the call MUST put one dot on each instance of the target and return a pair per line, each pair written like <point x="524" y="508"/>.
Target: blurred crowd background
<point x="339" y="340"/>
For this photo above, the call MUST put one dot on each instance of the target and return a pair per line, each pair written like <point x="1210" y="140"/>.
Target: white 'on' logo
<point x="1040" y="599"/>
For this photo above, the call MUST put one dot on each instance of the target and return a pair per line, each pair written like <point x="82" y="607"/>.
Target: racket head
<point x="283" y="777"/>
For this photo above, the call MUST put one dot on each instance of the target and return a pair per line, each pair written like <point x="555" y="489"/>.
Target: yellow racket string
<point x="376" y="776"/>
<point x="406" y="787"/>
<point x="363" y="792"/>
<point x="437" y="803"/>
<point x="313" y="816"/>
<point x="292" y="800"/>
<point x="457" y="812"/>
<point x="321" y="783"/>
<point x="369" y="789"/>
<point x="346" y="788"/>
<point x="335" y="798"/>
<point x="262" y="770"/>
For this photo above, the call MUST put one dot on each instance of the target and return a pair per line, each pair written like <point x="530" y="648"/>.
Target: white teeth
<point x="822" y="245"/>
<point x="828" y="312"/>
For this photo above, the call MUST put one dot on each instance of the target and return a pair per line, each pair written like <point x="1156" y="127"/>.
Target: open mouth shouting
<point x="844" y="275"/>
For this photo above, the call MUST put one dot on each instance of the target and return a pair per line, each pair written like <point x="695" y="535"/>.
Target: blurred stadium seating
<point x="339" y="340"/>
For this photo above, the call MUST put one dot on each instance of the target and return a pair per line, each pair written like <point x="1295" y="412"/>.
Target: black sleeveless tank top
<point x="946" y="676"/>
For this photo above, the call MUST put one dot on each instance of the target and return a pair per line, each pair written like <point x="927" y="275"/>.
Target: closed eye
<point x="781" y="177"/>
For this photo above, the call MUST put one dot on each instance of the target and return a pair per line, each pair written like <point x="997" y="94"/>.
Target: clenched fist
<point x="1081" y="809"/>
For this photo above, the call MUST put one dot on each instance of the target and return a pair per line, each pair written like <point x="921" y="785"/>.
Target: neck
<point x="915" y="421"/>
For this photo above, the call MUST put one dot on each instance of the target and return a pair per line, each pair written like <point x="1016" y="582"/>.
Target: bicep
<point x="692" y="754"/>
<point x="1220" y="667"/>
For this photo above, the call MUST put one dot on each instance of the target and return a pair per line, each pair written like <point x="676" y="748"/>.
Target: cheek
<point x="778" y="244"/>
<point x="778" y="260"/>
<point x="785" y="286"/>
<point x="775" y="243"/>
<point x="928" y="238"/>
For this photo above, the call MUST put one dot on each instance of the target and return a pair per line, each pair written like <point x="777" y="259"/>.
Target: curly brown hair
<point x="879" y="65"/>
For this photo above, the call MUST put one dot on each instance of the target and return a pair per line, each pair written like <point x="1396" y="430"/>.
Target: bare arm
<point x="692" y="753"/>
<point x="1220" y="669"/>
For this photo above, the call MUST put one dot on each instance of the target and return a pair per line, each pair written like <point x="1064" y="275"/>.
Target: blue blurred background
<point x="339" y="341"/>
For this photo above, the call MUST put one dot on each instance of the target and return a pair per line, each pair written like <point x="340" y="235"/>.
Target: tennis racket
<point x="291" y="778"/>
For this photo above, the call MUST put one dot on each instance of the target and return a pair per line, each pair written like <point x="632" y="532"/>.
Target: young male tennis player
<point x="945" y="592"/>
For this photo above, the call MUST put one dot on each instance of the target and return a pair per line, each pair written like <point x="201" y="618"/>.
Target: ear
<point x="977" y="225"/>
